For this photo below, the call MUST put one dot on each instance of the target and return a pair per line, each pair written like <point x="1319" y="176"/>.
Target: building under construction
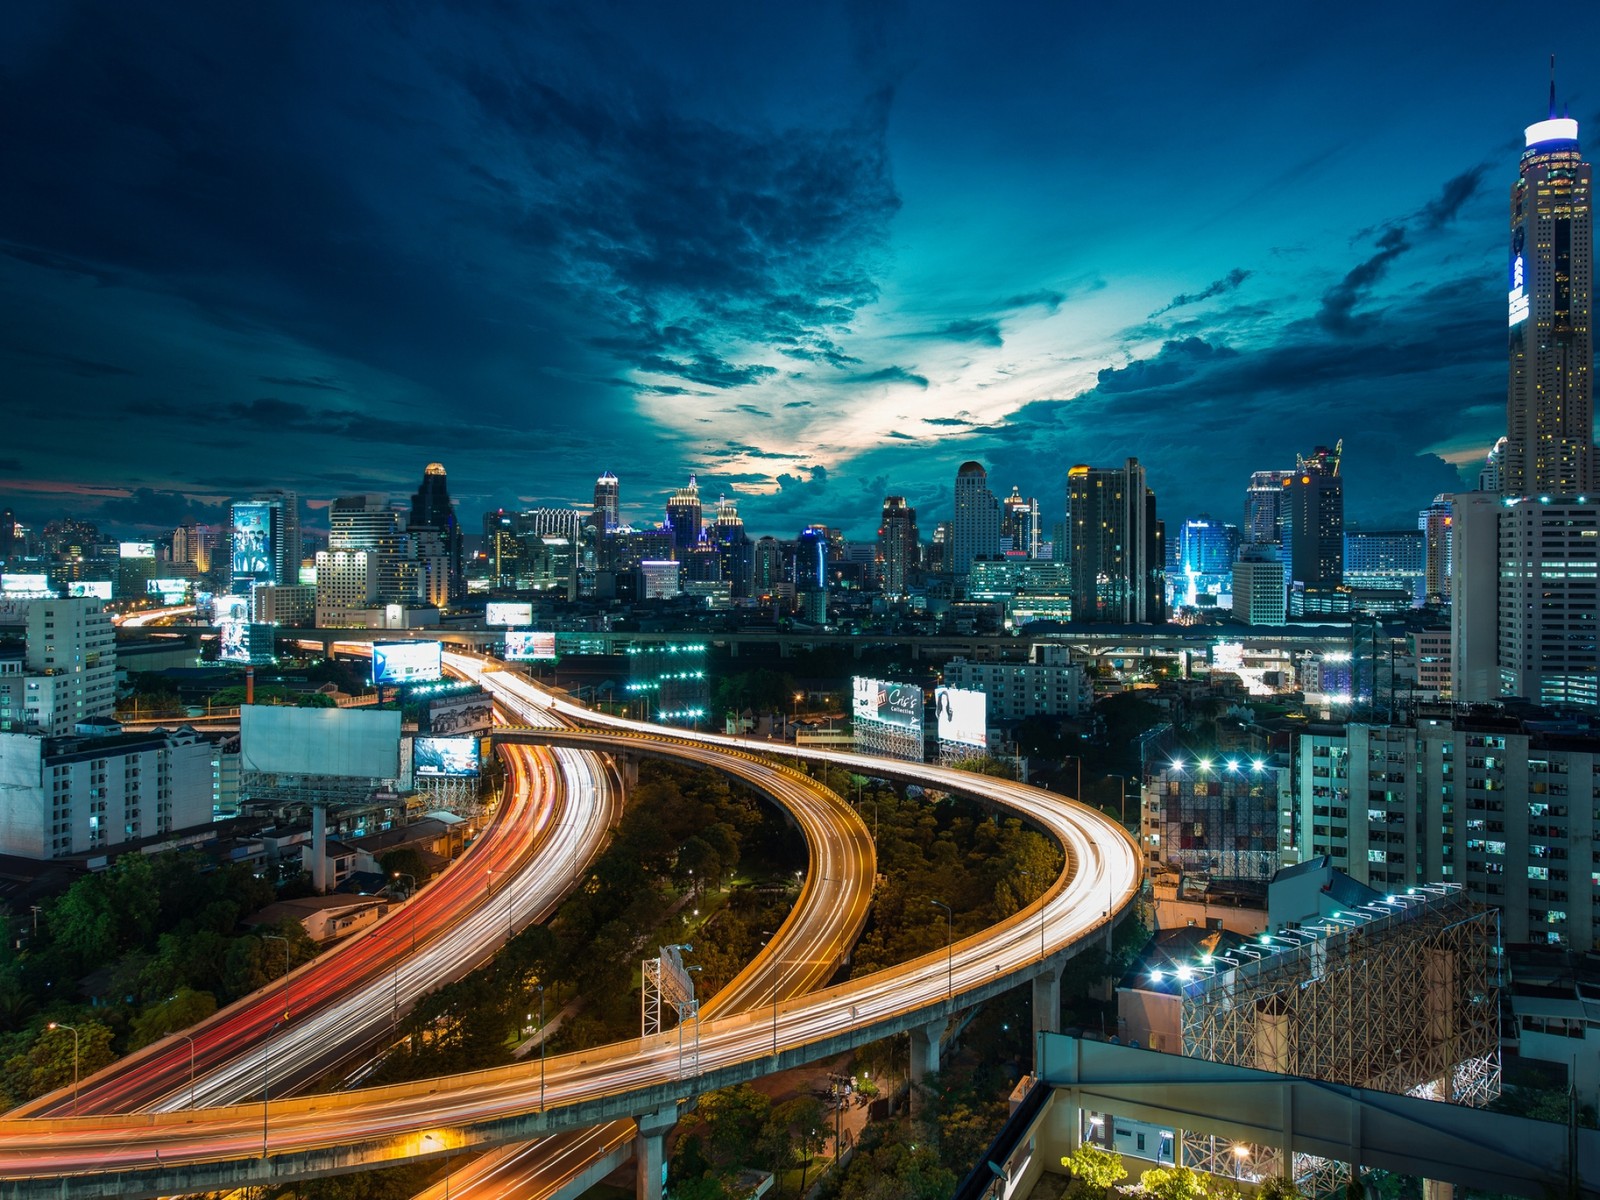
<point x="1394" y="992"/>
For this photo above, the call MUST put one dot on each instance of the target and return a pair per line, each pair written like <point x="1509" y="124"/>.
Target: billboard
<point x="351" y="743"/>
<point x="503" y="613"/>
<point x="444" y="756"/>
<point x="471" y="712"/>
<point x="230" y="608"/>
<point x="529" y="645"/>
<point x="963" y="716"/>
<point x="170" y="591"/>
<point x="252" y="541"/>
<point x="100" y="589"/>
<point x="30" y="586"/>
<point x="233" y="640"/>
<point x="887" y="702"/>
<point x="138" y="549"/>
<point x="405" y="662"/>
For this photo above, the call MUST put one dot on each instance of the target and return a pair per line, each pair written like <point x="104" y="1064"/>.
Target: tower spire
<point x="1552" y="87"/>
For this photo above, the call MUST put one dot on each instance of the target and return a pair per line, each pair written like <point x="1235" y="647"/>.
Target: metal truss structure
<point x="667" y="984"/>
<point x="1399" y="995"/>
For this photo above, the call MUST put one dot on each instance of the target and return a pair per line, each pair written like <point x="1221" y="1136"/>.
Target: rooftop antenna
<point x="1552" y="87"/>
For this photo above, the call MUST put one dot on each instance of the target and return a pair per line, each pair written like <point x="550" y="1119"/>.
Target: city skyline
<point x="816" y="260"/>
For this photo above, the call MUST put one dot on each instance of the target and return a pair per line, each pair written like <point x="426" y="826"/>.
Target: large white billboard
<point x="29" y="587"/>
<point x="348" y="742"/>
<point x="406" y="662"/>
<point x="529" y="645"/>
<point x="887" y="702"/>
<point x="963" y="716"/>
<point x="502" y="612"/>
<point x="137" y="549"/>
<point x="100" y="589"/>
<point x="444" y="756"/>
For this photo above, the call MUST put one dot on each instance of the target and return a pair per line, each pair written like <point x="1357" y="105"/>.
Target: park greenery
<point x="129" y="955"/>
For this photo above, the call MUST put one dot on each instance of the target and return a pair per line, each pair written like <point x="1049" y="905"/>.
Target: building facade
<point x="897" y="545"/>
<point x="1118" y="554"/>
<point x="975" y="531"/>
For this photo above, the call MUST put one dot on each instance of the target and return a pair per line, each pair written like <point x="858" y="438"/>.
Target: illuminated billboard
<point x="469" y="712"/>
<point x="28" y="586"/>
<point x="529" y="645"/>
<point x="252" y="542"/>
<point x="138" y="549"/>
<point x="100" y="589"/>
<point x="444" y="756"/>
<point x="887" y="702"/>
<point x="505" y="613"/>
<point x="405" y="662"/>
<point x="963" y="716"/>
<point x="170" y="591"/>
<point x="230" y="608"/>
<point x="233" y="640"/>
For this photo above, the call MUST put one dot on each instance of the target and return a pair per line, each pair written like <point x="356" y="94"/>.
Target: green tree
<point x="184" y="1008"/>
<point x="1279" y="1187"/>
<point x="1173" y="1183"/>
<point x="50" y="1061"/>
<point x="1094" y="1169"/>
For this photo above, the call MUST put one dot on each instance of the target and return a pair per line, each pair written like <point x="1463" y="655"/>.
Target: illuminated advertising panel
<point x="233" y="640"/>
<point x="138" y="549"/>
<point x="34" y="586"/>
<point x="252" y="541"/>
<point x="170" y="591"/>
<point x="506" y="613"/>
<point x="444" y="756"/>
<point x="230" y="608"/>
<point x="471" y="712"/>
<point x="963" y="716"/>
<point x="887" y="702"/>
<point x="529" y="645"/>
<point x="1517" y="299"/>
<point x="405" y="662"/>
<point x="100" y="589"/>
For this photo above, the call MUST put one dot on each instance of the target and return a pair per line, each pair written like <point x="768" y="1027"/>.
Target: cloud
<point x="10" y="464"/>
<point x="1046" y="298"/>
<point x="1173" y="363"/>
<point x="1442" y="209"/>
<point x="72" y="364"/>
<point x="320" y="383"/>
<point x="985" y="331"/>
<point x="798" y="404"/>
<point x="962" y="420"/>
<point x="889" y="375"/>
<point x="1337" y="313"/>
<point x="1228" y="283"/>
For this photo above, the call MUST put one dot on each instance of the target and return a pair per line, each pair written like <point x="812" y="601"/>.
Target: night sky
<point x="814" y="252"/>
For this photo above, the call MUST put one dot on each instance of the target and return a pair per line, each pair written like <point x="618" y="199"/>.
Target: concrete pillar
<point x="1047" y="1001"/>
<point x="628" y="768"/>
<point x="650" y="1152"/>
<point x="924" y="1056"/>
<point x="319" y="848"/>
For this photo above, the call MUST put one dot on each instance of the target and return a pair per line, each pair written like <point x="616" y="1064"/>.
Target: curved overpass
<point x="331" y="1134"/>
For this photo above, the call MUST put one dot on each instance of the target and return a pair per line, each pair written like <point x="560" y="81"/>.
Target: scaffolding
<point x="1399" y="994"/>
<point x="667" y="982"/>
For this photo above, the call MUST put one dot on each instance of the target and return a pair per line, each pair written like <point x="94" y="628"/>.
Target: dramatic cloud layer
<point x="813" y="254"/>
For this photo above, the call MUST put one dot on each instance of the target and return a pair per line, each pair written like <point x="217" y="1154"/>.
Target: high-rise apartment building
<point x="1260" y="594"/>
<point x="438" y="540"/>
<point x="1264" y="508"/>
<point x="1118" y="562"/>
<point x="975" y="530"/>
<point x="1550" y="387"/>
<point x="607" y="503"/>
<point x="683" y="518"/>
<point x="1549" y="621"/>
<point x="70" y="665"/>
<point x="897" y="545"/>
<point x="1392" y="560"/>
<point x="1435" y="523"/>
<point x="371" y="525"/>
<point x="1314" y="519"/>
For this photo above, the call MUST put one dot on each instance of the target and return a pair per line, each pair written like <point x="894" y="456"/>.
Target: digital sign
<point x="138" y="549"/>
<point x="1518" y="298"/>
<point x="887" y="702"/>
<point x="97" y="588"/>
<point x="469" y="712"/>
<point x="170" y="591"/>
<point x="230" y="608"/>
<point x="963" y="716"/>
<point x="405" y="662"/>
<point x="506" y="613"/>
<point x="31" y="586"/>
<point x="444" y="756"/>
<point x="529" y="645"/>
<point x="233" y="640"/>
<point x="252" y="541"/>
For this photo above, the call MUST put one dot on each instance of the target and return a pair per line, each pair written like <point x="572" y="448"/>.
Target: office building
<point x="1048" y="684"/>
<point x="347" y="587"/>
<point x="1434" y="522"/>
<point x="1205" y="552"/>
<point x="1019" y="524"/>
<point x="607" y="504"/>
<point x="1548" y="643"/>
<point x="683" y="518"/>
<point x="735" y="555"/>
<point x="975" y="530"/>
<point x="370" y="525"/>
<point x="69" y="665"/>
<point x="1489" y="474"/>
<point x="1264" y="508"/>
<point x="437" y="539"/>
<point x="1391" y="560"/>
<point x="264" y="540"/>
<point x="1118" y="549"/>
<point x="1549" y="446"/>
<point x="767" y="570"/>
<point x="1260" y="592"/>
<point x="1314" y="520"/>
<point x="897" y="545"/>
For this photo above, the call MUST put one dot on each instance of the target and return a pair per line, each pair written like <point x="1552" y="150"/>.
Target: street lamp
<point x="412" y="878"/>
<point x="949" y="948"/>
<point x="1241" y="1153"/>
<point x="273" y="937"/>
<point x="74" y="1030"/>
<point x="539" y="987"/>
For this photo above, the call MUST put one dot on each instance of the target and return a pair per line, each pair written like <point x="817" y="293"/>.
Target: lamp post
<point x="949" y="948"/>
<point x="273" y="937"/>
<point x="539" y="987"/>
<point x="407" y="875"/>
<point x="74" y="1031"/>
<point x="1077" y="758"/>
<point x="188" y="1038"/>
<point x="1240" y="1154"/>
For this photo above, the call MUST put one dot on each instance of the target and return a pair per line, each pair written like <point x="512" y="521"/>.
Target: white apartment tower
<point x="70" y="665"/>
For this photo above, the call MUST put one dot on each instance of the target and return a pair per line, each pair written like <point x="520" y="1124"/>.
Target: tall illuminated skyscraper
<point x="897" y="544"/>
<point x="1264" y="508"/>
<point x="1118" y="563"/>
<point x="975" y="532"/>
<point x="607" y="504"/>
<point x="1550" y="387"/>
<point x="1314" y="519"/>
<point x="438" y="537"/>
<point x="683" y="516"/>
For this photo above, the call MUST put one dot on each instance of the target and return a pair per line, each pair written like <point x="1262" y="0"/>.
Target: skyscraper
<point x="1019" y="524"/>
<point x="1435" y="524"/>
<point x="1549" y="391"/>
<point x="1264" y="508"/>
<point x="734" y="555"/>
<point x="607" y="506"/>
<point x="1118" y="559"/>
<point x="683" y="516"/>
<point x="897" y="544"/>
<point x="439" y="546"/>
<point x="265" y="540"/>
<point x="1315" y="519"/>
<point x="368" y="523"/>
<point x="975" y="532"/>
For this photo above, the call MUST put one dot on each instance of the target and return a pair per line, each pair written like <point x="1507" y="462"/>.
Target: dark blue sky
<point x="814" y="252"/>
